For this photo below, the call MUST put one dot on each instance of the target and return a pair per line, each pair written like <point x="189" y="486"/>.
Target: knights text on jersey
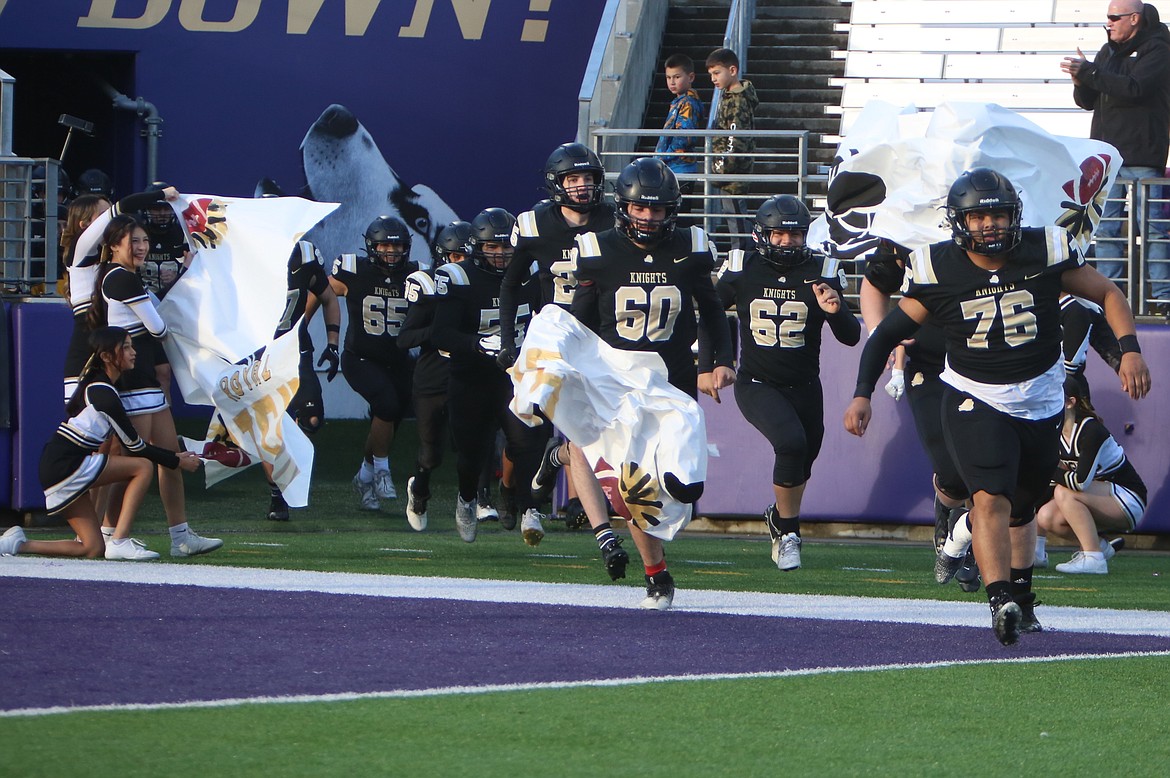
<point x="646" y="298"/>
<point x="376" y="304"/>
<point x="164" y="260"/>
<point x="780" y="320"/>
<point x="1001" y="326"/>
<point x="542" y="235"/>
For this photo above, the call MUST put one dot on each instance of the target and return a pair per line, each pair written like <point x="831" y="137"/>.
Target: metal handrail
<point x="738" y="37"/>
<point x="593" y="67"/>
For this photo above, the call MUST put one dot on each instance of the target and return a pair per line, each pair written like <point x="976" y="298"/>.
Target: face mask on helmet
<point x="491" y="240"/>
<point x="452" y="244"/>
<point x="782" y="214"/>
<point x="990" y="199"/>
<point x="647" y="184"/>
<point x="574" y="177"/>
<point x="387" y="243"/>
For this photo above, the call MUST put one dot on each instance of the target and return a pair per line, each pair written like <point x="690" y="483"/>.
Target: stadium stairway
<point x="790" y="62"/>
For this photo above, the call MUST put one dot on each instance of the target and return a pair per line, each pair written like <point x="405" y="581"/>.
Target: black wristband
<point x="333" y="328"/>
<point x="1129" y="344"/>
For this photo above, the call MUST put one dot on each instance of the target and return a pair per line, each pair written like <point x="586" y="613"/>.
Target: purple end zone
<point x="67" y="643"/>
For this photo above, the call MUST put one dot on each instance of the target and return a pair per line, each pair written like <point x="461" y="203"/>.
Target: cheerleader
<point x="1096" y="488"/>
<point x="72" y="465"/>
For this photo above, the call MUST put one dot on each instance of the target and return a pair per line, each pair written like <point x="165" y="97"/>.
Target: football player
<point x="374" y="288"/>
<point x="432" y="371"/>
<point x="923" y="359"/>
<point x="467" y="325"/>
<point x="544" y="238"/>
<point x="995" y="288"/>
<point x="638" y="286"/>
<point x="308" y="288"/>
<point x="783" y="294"/>
<point x="167" y="257"/>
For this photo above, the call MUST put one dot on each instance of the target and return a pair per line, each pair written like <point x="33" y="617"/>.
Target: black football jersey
<point x="780" y="320"/>
<point x="164" y="260"/>
<point x="433" y="367"/>
<point x="376" y="304"/>
<point x="645" y="300"/>
<point x="306" y="276"/>
<point x="1001" y="326"/>
<point x="469" y="310"/>
<point x="543" y="236"/>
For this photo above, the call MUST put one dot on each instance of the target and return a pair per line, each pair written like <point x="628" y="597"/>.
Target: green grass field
<point x="1084" y="717"/>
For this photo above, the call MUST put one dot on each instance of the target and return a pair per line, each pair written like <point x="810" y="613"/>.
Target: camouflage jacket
<point x="736" y="112"/>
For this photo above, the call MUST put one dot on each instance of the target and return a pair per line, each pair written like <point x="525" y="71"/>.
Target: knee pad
<point x="955" y="491"/>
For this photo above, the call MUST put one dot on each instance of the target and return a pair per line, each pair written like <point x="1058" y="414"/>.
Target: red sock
<point x="656" y="569"/>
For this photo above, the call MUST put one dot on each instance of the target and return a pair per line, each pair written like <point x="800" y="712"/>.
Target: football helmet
<point x="94" y="181"/>
<point x="647" y="181"/>
<point x="574" y="158"/>
<point x="159" y="214"/>
<point x="492" y="225"/>
<point x="983" y="189"/>
<point x="387" y="229"/>
<point x="455" y="238"/>
<point x="782" y="212"/>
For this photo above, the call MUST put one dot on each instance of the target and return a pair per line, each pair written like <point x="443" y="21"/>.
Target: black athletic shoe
<point x="659" y="592"/>
<point x="615" y="558"/>
<point x="968" y="575"/>
<point x="546" y="475"/>
<point x="942" y="515"/>
<point x="945" y="567"/>
<point x="277" y="509"/>
<point x="1028" y="621"/>
<point x="1005" y="620"/>
<point x="507" y="507"/>
<point x="575" y="517"/>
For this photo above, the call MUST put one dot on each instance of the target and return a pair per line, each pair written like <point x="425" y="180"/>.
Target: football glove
<point x="489" y="345"/>
<point x="331" y="356"/>
<point x="896" y="387"/>
<point x="507" y="357"/>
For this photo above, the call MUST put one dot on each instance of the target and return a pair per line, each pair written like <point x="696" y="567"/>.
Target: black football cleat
<point x="615" y="558"/>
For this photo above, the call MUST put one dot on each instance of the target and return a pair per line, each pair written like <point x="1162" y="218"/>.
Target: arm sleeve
<point x="509" y="287"/>
<point x="105" y="399"/>
<point x="713" y="319"/>
<point x="148" y="314"/>
<point x="895" y="328"/>
<point x="845" y="326"/>
<point x="726" y="294"/>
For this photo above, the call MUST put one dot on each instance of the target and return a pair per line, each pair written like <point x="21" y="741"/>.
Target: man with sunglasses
<point x="1127" y="87"/>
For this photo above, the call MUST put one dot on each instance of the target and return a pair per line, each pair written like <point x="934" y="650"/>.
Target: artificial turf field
<point x="1006" y="710"/>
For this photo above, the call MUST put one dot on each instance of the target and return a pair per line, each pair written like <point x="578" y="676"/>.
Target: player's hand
<point x="331" y="356"/>
<point x="827" y="298"/>
<point x="857" y="416"/>
<point x="896" y="387"/>
<point x="1135" y="375"/>
<point x="189" y="461"/>
<point x="719" y="378"/>
<point x="507" y="356"/>
<point x="489" y="346"/>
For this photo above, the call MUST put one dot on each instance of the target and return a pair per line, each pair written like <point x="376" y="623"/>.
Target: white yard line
<point x="962" y="614"/>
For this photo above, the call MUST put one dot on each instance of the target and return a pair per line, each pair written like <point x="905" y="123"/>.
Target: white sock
<point x="959" y="540"/>
<point x="366" y="474"/>
<point x="1041" y="545"/>
<point x="178" y="532"/>
<point x="382" y="463"/>
<point x="108" y="531"/>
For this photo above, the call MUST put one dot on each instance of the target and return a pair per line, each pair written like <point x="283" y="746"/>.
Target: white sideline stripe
<point x="446" y="691"/>
<point x="829" y="607"/>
